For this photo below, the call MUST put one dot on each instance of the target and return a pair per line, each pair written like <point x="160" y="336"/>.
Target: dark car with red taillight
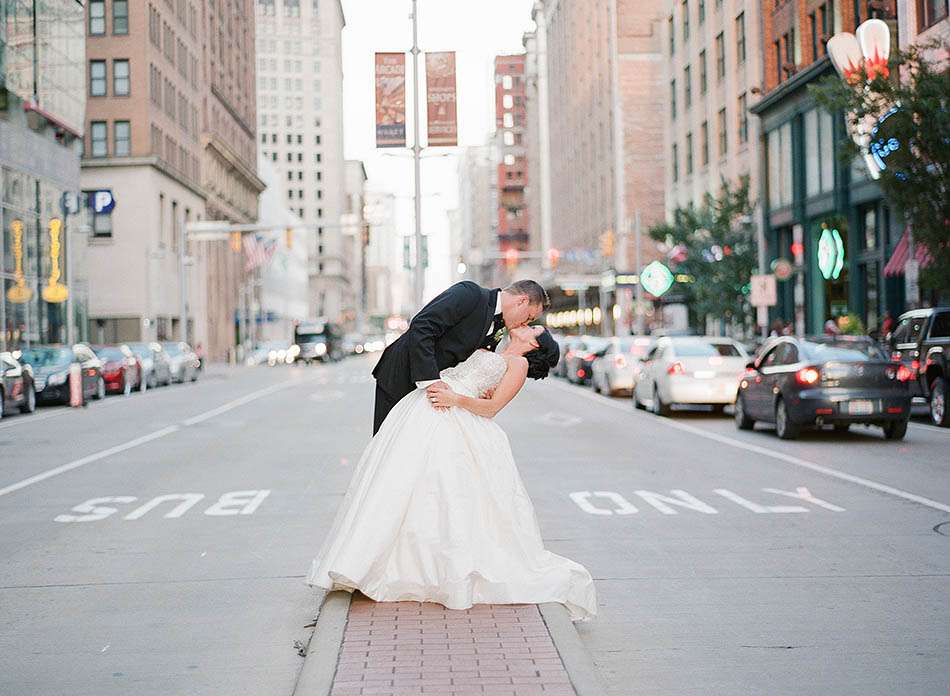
<point x="824" y="380"/>
<point x="921" y="342"/>
<point x="120" y="369"/>
<point x="51" y="372"/>
<point x="581" y="355"/>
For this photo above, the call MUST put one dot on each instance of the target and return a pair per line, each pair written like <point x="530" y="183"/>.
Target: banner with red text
<point x="441" y="99"/>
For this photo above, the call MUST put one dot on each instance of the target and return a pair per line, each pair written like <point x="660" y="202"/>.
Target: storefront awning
<point x="895" y="266"/>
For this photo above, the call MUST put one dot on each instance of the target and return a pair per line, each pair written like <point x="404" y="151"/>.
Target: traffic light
<point x="235" y="242"/>
<point x="289" y="238"/>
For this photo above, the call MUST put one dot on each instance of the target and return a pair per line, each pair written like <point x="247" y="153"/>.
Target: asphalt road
<point x="726" y="562"/>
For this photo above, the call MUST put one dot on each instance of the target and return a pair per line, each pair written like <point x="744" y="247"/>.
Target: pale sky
<point x="477" y="32"/>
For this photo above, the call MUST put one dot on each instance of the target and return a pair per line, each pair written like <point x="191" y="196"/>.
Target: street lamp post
<point x="419" y="271"/>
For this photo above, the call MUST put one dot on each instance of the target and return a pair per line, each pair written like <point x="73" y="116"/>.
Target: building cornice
<point x="791" y="85"/>
<point x="224" y="152"/>
<point x="147" y="161"/>
<point x="234" y="114"/>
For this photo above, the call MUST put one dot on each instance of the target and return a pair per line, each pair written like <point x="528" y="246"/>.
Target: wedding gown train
<point x="436" y="512"/>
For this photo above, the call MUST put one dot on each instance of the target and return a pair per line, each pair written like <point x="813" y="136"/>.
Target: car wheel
<point x="785" y="428"/>
<point x="938" y="403"/>
<point x="842" y="427"/>
<point x="659" y="408"/>
<point x="895" y="430"/>
<point x="100" y="389"/>
<point x="743" y="422"/>
<point x="29" y="401"/>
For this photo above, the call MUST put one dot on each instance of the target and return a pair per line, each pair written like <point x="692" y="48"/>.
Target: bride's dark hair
<point x="544" y="357"/>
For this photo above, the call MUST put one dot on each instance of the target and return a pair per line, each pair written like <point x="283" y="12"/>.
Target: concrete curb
<point x="577" y="661"/>
<point x="323" y="650"/>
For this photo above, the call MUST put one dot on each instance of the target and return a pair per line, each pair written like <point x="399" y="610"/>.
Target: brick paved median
<point x="403" y="648"/>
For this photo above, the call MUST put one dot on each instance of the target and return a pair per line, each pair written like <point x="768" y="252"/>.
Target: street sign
<point x="656" y="278"/>
<point x="763" y="291"/>
<point x="100" y="201"/>
<point x="782" y="268"/>
<point x="69" y="203"/>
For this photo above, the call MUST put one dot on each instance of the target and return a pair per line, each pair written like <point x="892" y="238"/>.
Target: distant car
<point x="319" y="340"/>
<point x="155" y="364"/>
<point x="921" y="343"/>
<point x="183" y="362"/>
<point x="703" y="370"/>
<point x="353" y="344"/>
<point x="120" y="369"/>
<point x="613" y="370"/>
<point x="374" y="344"/>
<point x="16" y="385"/>
<point x="564" y="343"/>
<point x="580" y="356"/>
<point x="837" y="380"/>
<point x="51" y="366"/>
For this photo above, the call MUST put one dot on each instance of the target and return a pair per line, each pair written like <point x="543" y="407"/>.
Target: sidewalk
<point x="411" y="648"/>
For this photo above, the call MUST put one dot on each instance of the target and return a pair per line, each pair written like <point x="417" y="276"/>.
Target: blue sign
<point x="100" y="201"/>
<point x="881" y="147"/>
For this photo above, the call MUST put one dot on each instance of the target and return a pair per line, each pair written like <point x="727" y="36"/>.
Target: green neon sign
<point x="830" y="253"/>
<point x="656" y="278"/>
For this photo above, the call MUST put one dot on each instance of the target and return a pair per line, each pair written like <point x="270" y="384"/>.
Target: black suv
<point x="921" y="341"/>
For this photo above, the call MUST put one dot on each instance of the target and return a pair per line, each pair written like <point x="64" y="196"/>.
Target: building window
<point x="689" y="154"/>
<point x="819" y="152"/>
<point x="929" y="12"/>
<point x="813" y="26"/>
<point x="685" y="21"/>
<point x="97" y="17"/>
<point x="704" y="143"/>
<point x="673" y="98"/>
<point x="120" y="17"/>
<point x="687" y="88"/>
<point x="672" y="30"/>
<point x="99" y="136"/>
<point x="97" y="78"/>
<point x="778" y="60"/>
<point x="120" y="78"/>
<point x="122" y="138"/>
<point x="702" y="71"/>
<point x="743" y="119"/>
<point x="779" y="154"/>
<point x="676" y="163"/>
<point x="101" y="223"/>
<point x="723" y="133"/>
<point x="702" y="11"/>
<point x="740" y="38"/>
<point x="720" y="57"/>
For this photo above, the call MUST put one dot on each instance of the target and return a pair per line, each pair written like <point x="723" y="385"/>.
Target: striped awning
<point x="895" y="266"/>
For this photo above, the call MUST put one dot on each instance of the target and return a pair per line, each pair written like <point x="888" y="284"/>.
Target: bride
<point x="436" y="510"/>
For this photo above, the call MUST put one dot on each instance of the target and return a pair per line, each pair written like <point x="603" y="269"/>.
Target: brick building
<point x="511" y="150"/>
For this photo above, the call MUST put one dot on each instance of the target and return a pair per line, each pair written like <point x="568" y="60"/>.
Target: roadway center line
<point x="764" y="451"/>
<point x="102" y="454"/>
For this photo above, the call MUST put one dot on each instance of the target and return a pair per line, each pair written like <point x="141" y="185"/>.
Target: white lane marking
<point x="96" y="456"/>
<point x="561" y="419"/>
<point x="188" y="500"/>
<point x="231" y="503"/>
<point x="683" y="499"/>
<point x="26" y="419"/>
<point x="764" y="451"/>
<point x="105" y="648"/>
<point x="235" y="503"/>
<point x="755" y="507"/>
<point x="802" y="493"/>
<point x="332" y="395"/>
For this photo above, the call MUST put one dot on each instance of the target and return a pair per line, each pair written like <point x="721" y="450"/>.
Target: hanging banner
<point x="390" y="100"/>
<point x="440" y="99"/>
<point x="20" y="293"/>
<point x="55" y="292"/>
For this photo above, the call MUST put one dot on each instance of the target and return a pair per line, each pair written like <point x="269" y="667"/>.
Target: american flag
<point x="257" y="252"/>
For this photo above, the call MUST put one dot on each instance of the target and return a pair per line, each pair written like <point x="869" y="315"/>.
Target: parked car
<point x="271" y="353"/>
<point x="155" y="364"/>
<point x="353" y="343"/>
<point x="182" y="361"/>
<point x="921" y="343"/>
<point x="690" y="370"/>
<point x="16" y="385"/>
<point x="580" y="356"/>
<point x="614" y="369"/>
<point x="51" y="365"/>
<point x="120" y="369"/>
<point x="836" y="380"/>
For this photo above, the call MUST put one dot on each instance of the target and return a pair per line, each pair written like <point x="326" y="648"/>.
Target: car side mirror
<point x="750" y="365"/>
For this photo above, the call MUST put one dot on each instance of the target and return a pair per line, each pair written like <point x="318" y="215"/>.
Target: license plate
<point x="860" y="408"/>
<point x="705" y="374"/>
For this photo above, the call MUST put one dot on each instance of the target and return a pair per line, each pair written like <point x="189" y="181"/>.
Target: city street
<point x="158" y="543"/>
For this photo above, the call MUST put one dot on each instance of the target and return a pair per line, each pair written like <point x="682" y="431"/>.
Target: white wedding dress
<point x="437" y="512"/>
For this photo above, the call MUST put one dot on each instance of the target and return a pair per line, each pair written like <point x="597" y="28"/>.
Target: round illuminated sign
<point x="656" y="278"/>
<point x="830" y="253"/>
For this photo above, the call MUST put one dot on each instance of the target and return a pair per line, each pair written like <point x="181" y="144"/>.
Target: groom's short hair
<point x="536" y="294"/>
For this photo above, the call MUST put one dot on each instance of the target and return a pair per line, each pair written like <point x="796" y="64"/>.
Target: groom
<point x="448" y="330"/>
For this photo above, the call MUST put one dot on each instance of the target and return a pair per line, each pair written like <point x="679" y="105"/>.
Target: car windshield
<point x="172" y="348"/>
<point x="43" y="357"/>
<point x="637" y="347"/>
<point x="908" y="330"/>
<point x="109" y="353"/>
<point x="693" y="348"/>
<point x="844" y="351"/>
<point x="140" y="350"/>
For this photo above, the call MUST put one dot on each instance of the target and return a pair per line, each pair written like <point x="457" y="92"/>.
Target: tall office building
<point x="300" y="123"/>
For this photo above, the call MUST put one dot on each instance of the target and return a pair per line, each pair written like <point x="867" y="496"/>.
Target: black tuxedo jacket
<point x="444" y="333"/>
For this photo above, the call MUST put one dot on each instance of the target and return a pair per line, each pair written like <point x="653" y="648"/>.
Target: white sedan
<point x="614" y="369"/>
<point x="690" y="370"/>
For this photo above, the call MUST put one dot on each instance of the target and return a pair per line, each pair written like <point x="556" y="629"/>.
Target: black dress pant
<point x="384" y="404"/>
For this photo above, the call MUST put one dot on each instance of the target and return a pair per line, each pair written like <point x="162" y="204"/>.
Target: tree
<point x="714" y="245"/>
<point x="909" y="107"/>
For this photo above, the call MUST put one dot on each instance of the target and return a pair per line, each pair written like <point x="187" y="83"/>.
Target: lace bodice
<point x="482" y="370"/>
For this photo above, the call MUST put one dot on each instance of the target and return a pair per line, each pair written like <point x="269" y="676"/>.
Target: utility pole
<point x="638" y="300"/>
<point x="182" y="290"/>
<point x="419" y="271"/>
